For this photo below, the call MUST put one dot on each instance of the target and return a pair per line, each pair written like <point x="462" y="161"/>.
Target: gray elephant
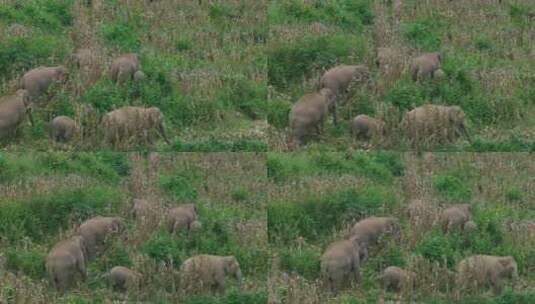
<point x="369" y="230"/>
<point x="97" y="229"/>
<point x="182" y="217"/>
<point x="425" y="66"/>
<point x="127" y="122"/>
<point x="83" y="58"/>
<point x="66" y="260"/>
<point x="209" y="271"/>
<point x="124" y="279"/>
<point x="38" y="81"/>
<point x="340" y="263"/>
<point x="397" y="279"/>
<point x="308" y="114"/>
<point x="483" y="270"/>
<point x="434" y="124"/>
<point x="339" y="79"/>
<point x="455" y="217"/>
<point x="124" y="68"/>
<point x="13" y="110"/>
<point x="367" y="128"/>
<point x="62" y="128"/>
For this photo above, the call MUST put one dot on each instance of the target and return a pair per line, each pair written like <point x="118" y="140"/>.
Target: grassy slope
<point x="487" y="50"/>
<point x="205" y="67"/>
<point x="330" y="191"/>
<point x="57" y="191"/>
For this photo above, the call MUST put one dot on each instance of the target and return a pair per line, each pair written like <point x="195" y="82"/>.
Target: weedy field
<point x="204" y="63"/>
<point x="46" y="195"/>
<point x="315" y="198"/>
<point x="487" y="50"/>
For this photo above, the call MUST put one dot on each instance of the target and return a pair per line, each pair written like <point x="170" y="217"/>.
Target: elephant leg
<point x="161" y="130"/>
<point x="496" y="285"/>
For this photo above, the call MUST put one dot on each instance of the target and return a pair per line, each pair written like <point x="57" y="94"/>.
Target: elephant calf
<point x="434" y="123"/>
<point x="126" y="122"/>
<point x="182" y="217"/>
<point x="62" y="129"/>
<point x="125" y="68"/>
<point x="366" y="127"/>
<point x="95" y="230"/>
<point x="339" y="79"/>
<point x="368" y="230"/>
<point x="397" y="279"/>
<point x="340" y="263"/>
<point x="13" y="110"/>
<point x="209" y="271"/>
<point x="308" y="114"/>
<point x="425" y="66"/>
<point x="67" y="259"/>
<point x="455" y="218"/>
<point x="38" y="80"/>
<point x="483" y="270"/>
<point x="124" y="279"/>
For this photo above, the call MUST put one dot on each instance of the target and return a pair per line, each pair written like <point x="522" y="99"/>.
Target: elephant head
<point x="232" y="267"/>
<point x="329" y="95"/>
<point x="26" y="100"/>
<point x="62" y="74"/>
<point x="156" y="119"/>
<point x="457" y="119"/>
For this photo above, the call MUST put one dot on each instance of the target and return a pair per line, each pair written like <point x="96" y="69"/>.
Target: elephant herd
<point x="37" y="84"/>
<point x="427" y="123"/>
<point x="66" y="262"/>
<point x="341" y="261"/>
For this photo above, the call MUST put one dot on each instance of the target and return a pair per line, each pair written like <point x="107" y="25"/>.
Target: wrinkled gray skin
<point x="396" y="279"/>
<point x="67" y="259"/>
<point x="126" y="122"/>
<point x="124" y="279"/>
<point x="366" y="128"/>
<point x="209" y="271"/>
<point x="182" y="217"/>
<point x="425" y="66"/>
<point x="368" y="230"/>
<point x="97" y="229"/>
<point x="62" y="129"/>
<point x="340" y="263"/>
<point x="308" y="115"/>
<point x="455" y="217"/>
<point x="124" y="68"/>
<point x="484" y="270"/>
<point x="38" y="80"/>
<point x="13" y="110"/>
<point x="339" y="79"/>
<point x="434" y="122"/>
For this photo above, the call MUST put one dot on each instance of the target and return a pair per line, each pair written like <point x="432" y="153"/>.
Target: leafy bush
<point x="49" y="15"/>
<point x="245" y="95"/>
<point x="30" y="261"/>
<point x="424" y="34"/>
<point x="405" y="95"/>
<point x="452" y="188"/>
<point x="437" y="247"/>
<point x="304" y="261"/>
<point x="180" y="185"/>
<point x="122" y="36"/>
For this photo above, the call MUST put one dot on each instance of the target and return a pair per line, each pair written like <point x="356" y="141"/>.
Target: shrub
<point x="179" y="185"/>
<point x="245" y="95"/>
<point x="122" y="36"/>
<point x="231" y="297"/>
<point x="513" y="194"/>
<point x="405" y="95"/>
<point x="424" y="34"/>
<point x="437" y="247"/>
<point x="304" y="261"/>
<point x="216" y="145"/>
<point x="48" y="15"/>
<point x="452" y="188"/>
<point x="240" y="194"/>
<point x="30" y="261"/>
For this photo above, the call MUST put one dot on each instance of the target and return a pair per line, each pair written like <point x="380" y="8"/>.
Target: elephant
<point x="397" y="279"/>
<point x="209" y="271"/>
<point x="470" y="227"/>
<point x="67" y="259"/>
<point x="309" y="114"/>
<point x="483" y="270"/>
<point x="425" y="66"/>
<point x="97" y="229"/>
<point x="182" y="217"/>
<point x="434" y="123"/>
<point x="341" y="262"/>
<point x="455" y="217"/>
<point x="439" y="74"/>
<point x="39" y="80"/>
<point x="385" y="58"/>
<point x="339" y="79"/>
<point x="62" y="129"/>
<point x="13" y="110"/>
<point x="139" y="76"/>
<point x="141" y="208"/>
<point x="83" y="58"/>
<point x="366" y="127"/>
<point x="128" y="121"/>
<point x="368" y="230"/>
<point x="421" y="213"/>
<point x="195" y="226"/>
<point x="124" y="279"/>
<point x="124" y="68"/>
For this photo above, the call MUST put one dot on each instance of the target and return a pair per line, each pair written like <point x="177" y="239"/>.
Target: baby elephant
<point x="366" y="127"/>
<point x="13" y="110"/>
<point x="425" y="66"/>
<point x="209" y="271"/>
<point x="483" y="270"/>
<point x="97" y="229"/>
<point x="126" y="122"/>
<point x="397" y="279"/>
<point x="62" y="128"/>
<point x="340" y="263"/>
<point x="308" y="114"/>
<point x="38" y="80"/>
<point x="369" y="230"/>
<point x="124" y="279"/>
<point x="182" y="217"/>
<point x="67" y="259"/>
<point x="455" y="218"/>
<point x="125" y="67"/>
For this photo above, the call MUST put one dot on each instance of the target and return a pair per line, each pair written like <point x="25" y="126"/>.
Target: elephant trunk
<point x="161" y="130"/>
<point x="30" y="115"/>
<point x="465" y="133"/>
<point x="239" y="277"/>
